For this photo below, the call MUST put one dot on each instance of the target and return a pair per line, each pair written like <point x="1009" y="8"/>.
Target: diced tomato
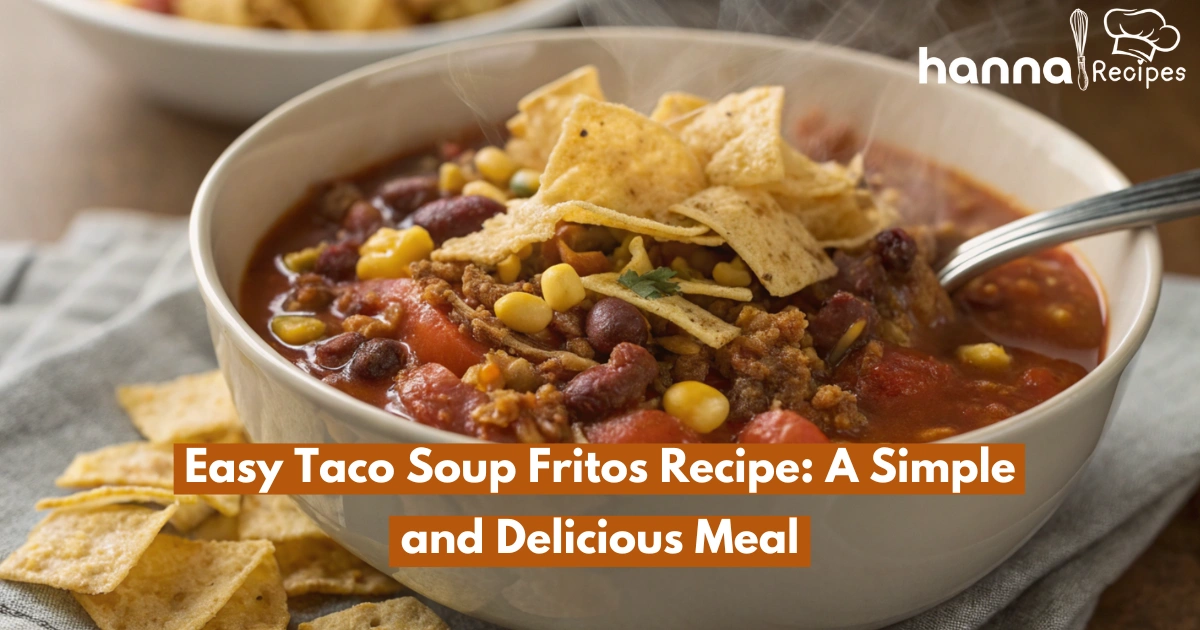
<point x="781" y="427"/>
<point x="433" y="395"/>
<point x="899" y="379"/>
<point x="427" y="330"/>
<point x="641" y="427"/>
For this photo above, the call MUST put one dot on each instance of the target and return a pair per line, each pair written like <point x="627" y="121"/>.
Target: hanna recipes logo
<point x="1137" y="34"/>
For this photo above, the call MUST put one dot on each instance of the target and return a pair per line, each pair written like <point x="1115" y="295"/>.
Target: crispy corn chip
<point x="828" y="199"/>
<point x="135" y="464"/>
<point x="178" y="584"/>
<point x="535" y="130"/>
<point x="529" y="221"/>
<point x="191" y="515"/>
<point x="738" y="139"/>
<point x="320" y="565"/>
<point x="130" y="464"/>
<point x="260" y="603"/>
<point x="276" y="518"/>
<point x="773" y="242"/>
<point x="216" y="527"/>
<point x="111" y="495"/>
<point x="277" y="14"/>
<point x="614" y="157"/>
<point x="348" y="15"/>
<point x="404" y="613"/>
<point x="227" y="12"/>
<point x="672" y="105"/>
<point x="196" y="407"/>
<point x="86" y="550"/>
<point x="712" y="289"/>
<point x="708" y="328"/>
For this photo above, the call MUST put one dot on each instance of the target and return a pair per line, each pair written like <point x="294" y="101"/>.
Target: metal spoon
<point x="1149" y="203"/>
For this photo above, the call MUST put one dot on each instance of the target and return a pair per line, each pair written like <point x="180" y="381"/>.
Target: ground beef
<point x="535" y="417"/>
<point x="480" y="288"/>
<point x="310" y="292"/>
<point x="692" y="367"/>
<point x="836" y="411"/>
<point x="451" y="272"/>
<point x="770" y="364"/>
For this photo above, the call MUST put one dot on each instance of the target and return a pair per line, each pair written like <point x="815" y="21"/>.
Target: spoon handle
<point x="1173" y="197"/>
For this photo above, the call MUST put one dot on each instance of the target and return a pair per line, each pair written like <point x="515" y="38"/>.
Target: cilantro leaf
<point x="652" y="284"/>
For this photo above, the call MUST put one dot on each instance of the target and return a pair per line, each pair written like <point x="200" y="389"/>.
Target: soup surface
<point x="358" y="285"/>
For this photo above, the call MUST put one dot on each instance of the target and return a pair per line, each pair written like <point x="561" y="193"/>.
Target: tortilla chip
<point x="86" y="550"/>
<point x="351" y="15"/>
<point x="196" y="407"/>
<point x="216" y="527"/>
<point x="260" y="604"/>
<point x="773" y="242"/>
<point x="529" y="221"/>
<point x="536" y="129"/>
<point x="827" y="197"/>
<point x="178" y="584"/>
<point x="738" y="139"/>
<point x="112" y="495"/>
<point x="320" y="565"/>
<point x="227" y="504"/>
<point x="404" y="613"/>
<point x="135" y="464"/>
<point x="130" y="464"/>
<point x="672" y="105"/>
<point x="227" y="12"/>
<point x="712" y="289"/>
<point x="614" y="157"/>
<point x="703" y="325"/>
<point x="276" y="518"/>
<point x="189" y="516"/>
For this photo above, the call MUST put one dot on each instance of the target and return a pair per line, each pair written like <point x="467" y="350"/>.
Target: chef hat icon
<point x="1140" y="33"/>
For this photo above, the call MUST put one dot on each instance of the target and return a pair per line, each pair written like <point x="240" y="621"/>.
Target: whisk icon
<point x="1079" y="21"/>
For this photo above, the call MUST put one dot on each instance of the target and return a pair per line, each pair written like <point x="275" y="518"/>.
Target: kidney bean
<point x="600" y="391"/>
<point x="378" y="359"/>
<point x="613" y="321"/>
<point x="781" y="427"/>
<point x="405" y="194"/>
<point x="336" y="352"/>
<point x="835" y="317"/>
<point x="337" y="262"/>
<point x="896" y="250"/>
<point x="455" y="216"/>
<point x="362" y="219"/>
<point x="645" y="426"/>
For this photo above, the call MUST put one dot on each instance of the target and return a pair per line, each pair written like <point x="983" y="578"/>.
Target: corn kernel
<point x="524" y="312"/>
<point x="525" y="252"/>
<point x="699" y="406"/>
<point x="303" y="260"/>
<point x="297" y="330"/>
<point x="682" y="269"/>
<point x="451" y="178"/>
<point x="495" y="165"/>
<point x="679" y="344"/>
<point x="525" y="182"/>
<point x="388" y="253"/>
<point x="509" y="269"/>
<point x="1060" y="315"/>
<point x="561" y="287"/>
<point x="731" y="274"/>
<point x="484" y="189"/>
<point x="986" y="356"/>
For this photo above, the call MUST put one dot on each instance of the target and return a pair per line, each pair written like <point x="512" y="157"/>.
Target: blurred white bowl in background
<point x="239" y="74"/>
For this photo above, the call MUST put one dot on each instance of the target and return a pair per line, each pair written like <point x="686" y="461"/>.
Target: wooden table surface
<point x="72" y="136"/>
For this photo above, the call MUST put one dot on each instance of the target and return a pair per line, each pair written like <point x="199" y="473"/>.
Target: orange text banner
<point x="599" y="469"/>
<point x="599" y="541"/>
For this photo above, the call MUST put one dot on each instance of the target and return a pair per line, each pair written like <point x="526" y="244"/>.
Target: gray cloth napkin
<point x="115" y="302"/>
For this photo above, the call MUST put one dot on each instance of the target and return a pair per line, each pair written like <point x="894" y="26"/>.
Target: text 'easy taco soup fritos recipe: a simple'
<point x="684" y="276"/>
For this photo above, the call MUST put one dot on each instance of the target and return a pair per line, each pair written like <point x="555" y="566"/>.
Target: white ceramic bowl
<point x="876" y="559"/>
<point x="238" y="74"/>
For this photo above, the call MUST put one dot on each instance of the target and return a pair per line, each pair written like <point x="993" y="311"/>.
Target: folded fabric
<point x="82" y="316"/>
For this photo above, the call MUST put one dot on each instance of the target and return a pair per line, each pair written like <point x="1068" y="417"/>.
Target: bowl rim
<point x="366" y="416"/>
<point x="165" y="28"/>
